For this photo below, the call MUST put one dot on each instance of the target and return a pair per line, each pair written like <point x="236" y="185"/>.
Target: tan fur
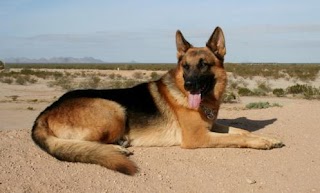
<point x="88" y="129"/>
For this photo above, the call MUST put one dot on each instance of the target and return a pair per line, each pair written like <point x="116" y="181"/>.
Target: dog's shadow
<point x="246" y="124"/>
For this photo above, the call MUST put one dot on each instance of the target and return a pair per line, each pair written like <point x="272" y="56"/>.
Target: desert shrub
<point x="307" y="91"/>
<point x="57" y="75"/>
<point x="13" y="97"/>
<point x="31" y="79"/>
<point x="155" y="76"/>
<point x="259" y="92"/>
<point x="21" y="80"/>
<point x="242" y="91"/>
<point x="90" y="83"/>
<point x="64" y="82"/>
<point x="303" y="72"/>
<point x="311" y="93"/>
<point x="38" y="73"/>
<point x="119" y="76"/>
<point x="261" y="105"/>
<point x="296" y="89"/>
<point x="66" y="73"/>
<point x="279" y="92"/>
<point x="230" y="97"/>
<point x="7" y="80"/>
<point x="94" y="82"/>
<point x="116" y="84"/>
<point x="130" y="83"/>
<point x="233" y="84"/>
<point x="112" y="76"/>
<point x="1" y="65"/>
<point x="137" y="75"/>
<point x="129" y="67"/>
<point x="264" y="86"/>
<point x="27" y="71"/>
<point x="83" y="74"/>
<point x="123" y="83"/>
<point x="30" y="108"/>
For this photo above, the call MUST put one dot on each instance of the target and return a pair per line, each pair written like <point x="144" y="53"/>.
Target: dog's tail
<point x="81" y="151"/>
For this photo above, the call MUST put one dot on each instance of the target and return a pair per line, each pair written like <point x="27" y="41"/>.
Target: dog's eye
<point x="186" y="66"/>
<point x="202" y="65"/>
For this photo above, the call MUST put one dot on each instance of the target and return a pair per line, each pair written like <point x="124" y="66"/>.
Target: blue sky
<point x="144" y="30"/>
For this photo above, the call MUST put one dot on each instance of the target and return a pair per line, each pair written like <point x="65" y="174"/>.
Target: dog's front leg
<point x="236" y="131"/>
<point x="225" y="140"/>
<point x="196" y="134"/>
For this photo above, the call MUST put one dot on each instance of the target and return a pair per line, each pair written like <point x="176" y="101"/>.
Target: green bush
<point x="296" y="89"/>
<point x="90" y="83"/>
<point x="63" y="82"/>
<point x="307" y="91"/>
<point x="298" y="71"/>
<point x="21" y="80"/>
<point x="230" y="97"/>
<point x="155" y="76"/>
<point x="264" y="86"/>
<point x="242" y="91"/>
<point x="279" y="92"/>
<point x="261" y="105"/>
<point x="259" y="92"/>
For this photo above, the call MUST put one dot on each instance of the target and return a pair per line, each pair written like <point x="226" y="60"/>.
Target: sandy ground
<point x="293" y="168"/>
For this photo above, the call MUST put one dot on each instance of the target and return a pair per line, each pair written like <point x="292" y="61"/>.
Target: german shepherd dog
<point x="181" y="108"/>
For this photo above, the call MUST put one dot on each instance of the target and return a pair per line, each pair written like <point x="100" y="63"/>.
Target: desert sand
<point x="293" y="168"/>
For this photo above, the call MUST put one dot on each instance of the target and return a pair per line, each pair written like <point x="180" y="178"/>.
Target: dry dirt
<point x="293" y="168"/>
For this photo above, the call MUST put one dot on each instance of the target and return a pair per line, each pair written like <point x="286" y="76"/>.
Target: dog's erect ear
<point x="216" y="43"/>
<point x="182" y="44"/>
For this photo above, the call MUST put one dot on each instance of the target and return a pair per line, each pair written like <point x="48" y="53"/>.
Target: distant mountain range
<point x="53" y="60"/>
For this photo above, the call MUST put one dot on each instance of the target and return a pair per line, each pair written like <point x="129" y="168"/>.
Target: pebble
<point x="251" y="181"/>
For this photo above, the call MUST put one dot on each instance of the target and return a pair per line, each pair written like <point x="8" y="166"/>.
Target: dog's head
<point x="200" y="66"/>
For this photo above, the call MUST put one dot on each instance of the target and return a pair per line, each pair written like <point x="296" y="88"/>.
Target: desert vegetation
<point x="244" y="79"/>
<point x="261" y="105"/>
<point x="1" y="65"/>
<point x="304" y="72"/>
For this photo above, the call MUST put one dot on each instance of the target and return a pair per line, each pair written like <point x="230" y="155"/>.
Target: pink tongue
<point x="194" y="100"/>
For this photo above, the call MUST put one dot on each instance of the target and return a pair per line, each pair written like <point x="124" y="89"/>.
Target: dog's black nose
<point x="189" y="85"/>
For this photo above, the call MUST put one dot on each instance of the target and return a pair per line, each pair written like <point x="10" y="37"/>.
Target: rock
<point x="251" y="181"/>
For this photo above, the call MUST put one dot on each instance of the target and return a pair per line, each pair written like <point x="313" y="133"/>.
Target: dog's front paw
<point x="273" y="142"/>
<point x="265" y="143"/>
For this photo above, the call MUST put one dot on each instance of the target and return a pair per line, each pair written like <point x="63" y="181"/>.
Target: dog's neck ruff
<point x="211" y="115"/>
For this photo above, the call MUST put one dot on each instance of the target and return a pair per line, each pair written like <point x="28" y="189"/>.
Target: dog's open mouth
<point x="195" y="97"/>
<point x="194" y="100"/>
<point x="198" y="89"/>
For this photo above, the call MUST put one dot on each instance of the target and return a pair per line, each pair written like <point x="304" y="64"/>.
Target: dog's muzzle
<point x="192" y="85"/>
<point x="197" y="88"/>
